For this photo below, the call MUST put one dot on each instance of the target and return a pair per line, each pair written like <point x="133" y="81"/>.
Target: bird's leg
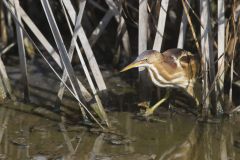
<point x="150" y="110"/>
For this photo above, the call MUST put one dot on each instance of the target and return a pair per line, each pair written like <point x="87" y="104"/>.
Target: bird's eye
<point x="185" y="59"/>
<point x="145" y="60"/>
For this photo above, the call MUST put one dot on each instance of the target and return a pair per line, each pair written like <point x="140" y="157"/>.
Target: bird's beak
<point x="134" y="64"/>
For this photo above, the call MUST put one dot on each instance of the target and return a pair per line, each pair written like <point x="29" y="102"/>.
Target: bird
<point x="174" y="68"/>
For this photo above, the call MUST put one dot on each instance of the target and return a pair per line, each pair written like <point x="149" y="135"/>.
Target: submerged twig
<point x="4" y="122"/>
<point x="66" y="138"/>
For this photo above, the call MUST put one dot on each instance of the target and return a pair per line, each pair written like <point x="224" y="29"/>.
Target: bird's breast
<point x="166" y="79"/>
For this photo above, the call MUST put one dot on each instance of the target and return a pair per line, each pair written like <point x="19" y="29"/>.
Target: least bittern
<point x="175" y="68"/>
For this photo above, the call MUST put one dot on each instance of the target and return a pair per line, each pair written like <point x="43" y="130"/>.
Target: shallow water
<point x="28" y="133"/>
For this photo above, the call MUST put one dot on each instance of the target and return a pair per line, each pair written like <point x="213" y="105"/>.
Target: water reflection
<point x="205" y="141"/>
<point x="24" y="135"/>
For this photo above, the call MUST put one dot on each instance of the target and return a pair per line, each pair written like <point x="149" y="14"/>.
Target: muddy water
<point x="28" y="133"/>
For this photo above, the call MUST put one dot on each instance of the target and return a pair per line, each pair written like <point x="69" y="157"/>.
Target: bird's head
<point x="145" y="59"/>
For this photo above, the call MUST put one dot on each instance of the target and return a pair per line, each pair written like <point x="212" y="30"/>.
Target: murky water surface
<point x="30" y="132"/>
